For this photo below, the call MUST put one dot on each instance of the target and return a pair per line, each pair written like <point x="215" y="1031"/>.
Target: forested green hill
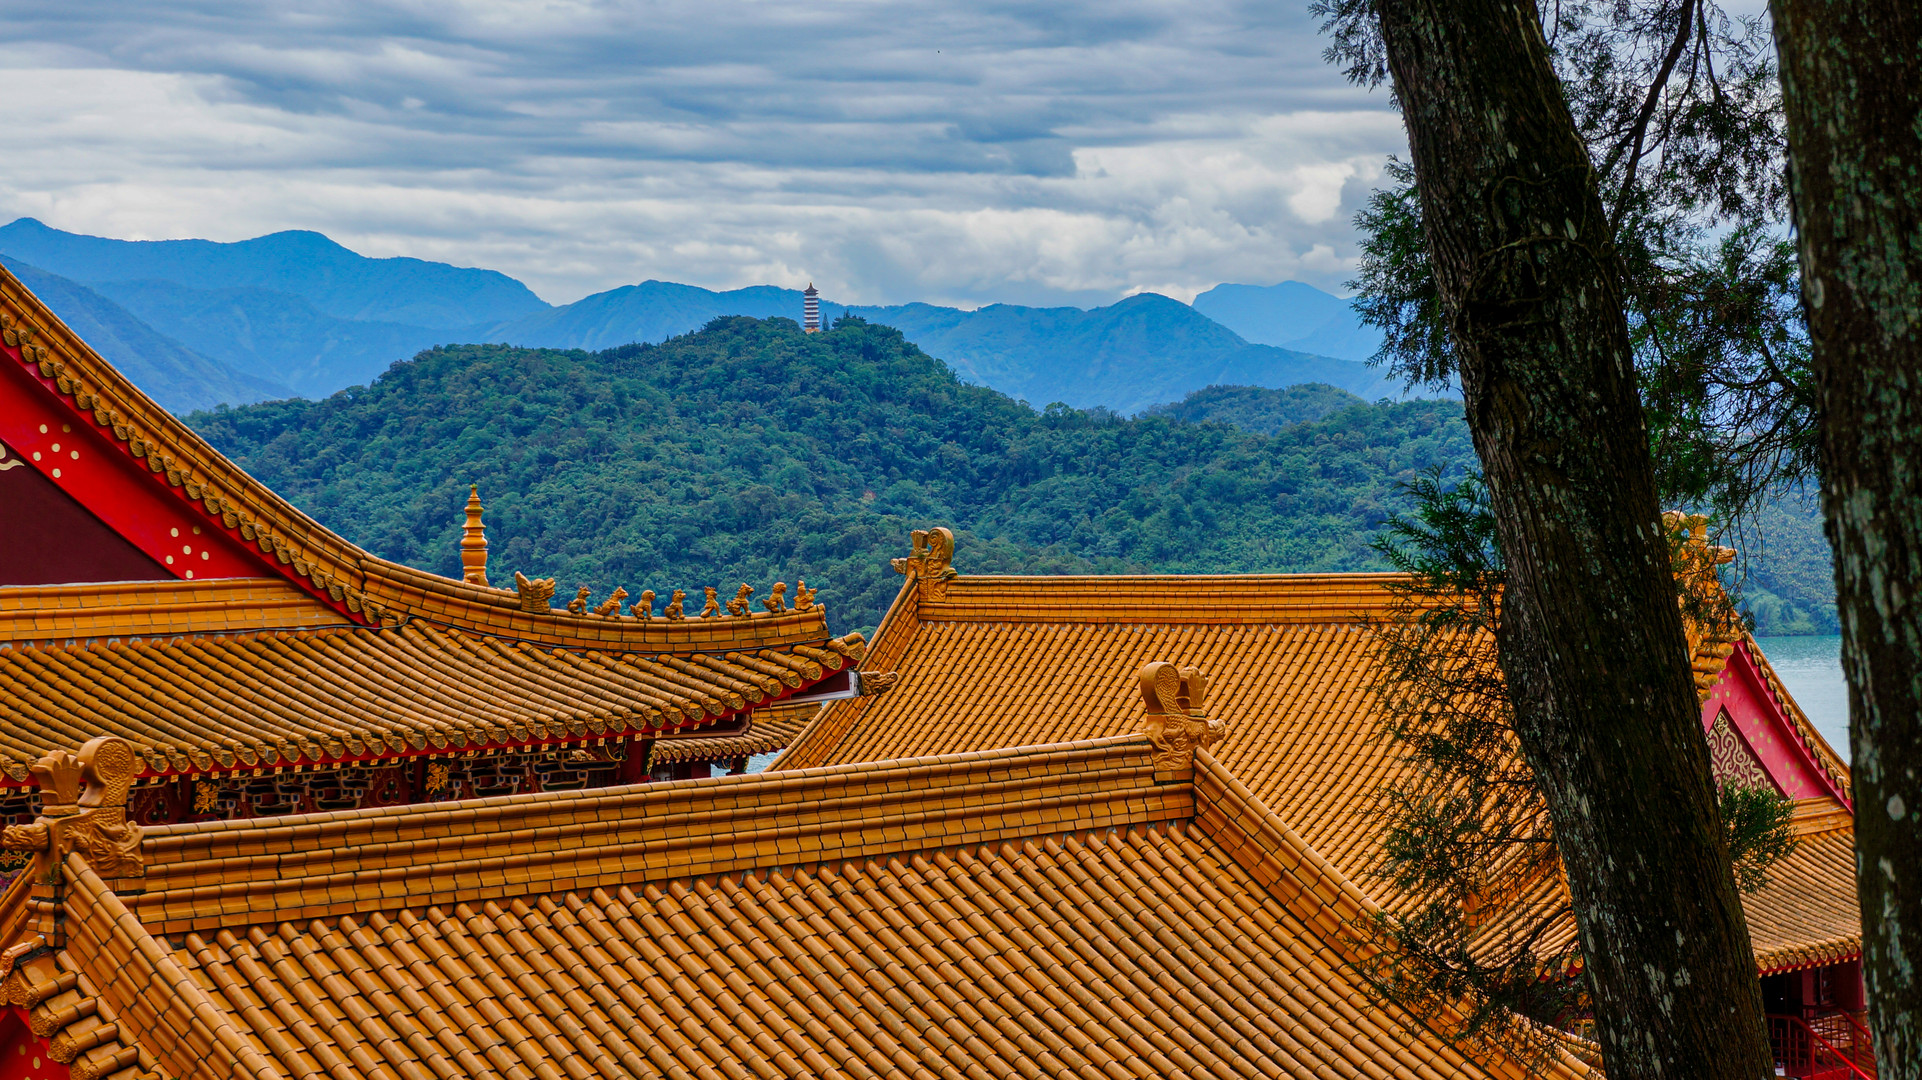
<point x="749" y="451"/>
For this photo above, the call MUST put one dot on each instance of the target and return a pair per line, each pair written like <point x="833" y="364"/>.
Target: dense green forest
<point x="749" y="451"/>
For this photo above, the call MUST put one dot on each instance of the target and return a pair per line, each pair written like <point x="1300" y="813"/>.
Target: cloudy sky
<point x="1028" y="151"/>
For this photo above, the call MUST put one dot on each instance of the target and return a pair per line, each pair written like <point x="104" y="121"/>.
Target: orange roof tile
<point x="1007" y="661"/>
<point x="233" y="701"/>
<point x="123" y="609"/>
<point x="771" y="729"/>
<point x="1047" y="911"/>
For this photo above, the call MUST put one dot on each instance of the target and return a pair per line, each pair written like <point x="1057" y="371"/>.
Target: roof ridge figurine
<point x="536" y="593"/>
<point x="930" y="566"/>
<point x="738" y="607"/>
<point x="611" y="607"/>
<point x="1173" y="718"/>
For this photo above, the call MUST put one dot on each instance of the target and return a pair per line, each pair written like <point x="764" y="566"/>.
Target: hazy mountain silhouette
<point x="334" y="280"/>
<point x="1291" y="315"/>
<point x="275" y="335"/>
<point x="301" y="311"/>
<point x="176" y="376"/>
<point x="1143" y="351"/>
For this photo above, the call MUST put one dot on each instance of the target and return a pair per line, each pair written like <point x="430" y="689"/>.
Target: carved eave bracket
<point x="930" y="567"/>
<point x="83" y="810"/>
<point x="1173" y="700"/>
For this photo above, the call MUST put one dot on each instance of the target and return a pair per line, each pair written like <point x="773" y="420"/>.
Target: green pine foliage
<point x="751" y="452"/>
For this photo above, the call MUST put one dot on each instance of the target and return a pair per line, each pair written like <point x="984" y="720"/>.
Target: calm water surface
<point x="1811" y="667"/>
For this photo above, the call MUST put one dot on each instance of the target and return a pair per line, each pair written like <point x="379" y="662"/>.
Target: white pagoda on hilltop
<point x="811" y="309"/>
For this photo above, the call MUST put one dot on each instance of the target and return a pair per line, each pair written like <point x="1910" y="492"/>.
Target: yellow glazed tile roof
<point x="239" y="701"/>
<point x="120" y="609"/>
<point x="772" y="729"/>
<point x="1011" y="661"/>
<point x="1006" y="661"/>
<point x="1048" y="911"/>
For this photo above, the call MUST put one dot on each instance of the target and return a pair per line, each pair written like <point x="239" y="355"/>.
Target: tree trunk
<point x="1592" y="646"/>
<point x="1852" y="80"/>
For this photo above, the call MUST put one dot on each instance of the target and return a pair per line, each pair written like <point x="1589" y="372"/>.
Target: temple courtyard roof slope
<point x="993" y="661"/>
<point x="238" y="700"/>
<point x="1006" y="661"/>
<point x="1108" y="907"/>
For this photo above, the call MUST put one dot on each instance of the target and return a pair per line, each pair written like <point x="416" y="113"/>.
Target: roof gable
<point x="1773" y="730"/>
<point x="50" y="538"/>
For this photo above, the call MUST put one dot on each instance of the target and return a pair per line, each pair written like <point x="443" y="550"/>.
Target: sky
<point x="1034" y="152"/>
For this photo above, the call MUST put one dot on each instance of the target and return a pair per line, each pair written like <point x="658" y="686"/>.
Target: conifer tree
<point x="1529" y="282"/>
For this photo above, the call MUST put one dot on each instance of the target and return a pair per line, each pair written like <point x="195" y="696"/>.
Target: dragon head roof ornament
<point x="83" y="810"/>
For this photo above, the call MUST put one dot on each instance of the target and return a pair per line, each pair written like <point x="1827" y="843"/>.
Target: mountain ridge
<point x="176" y="376"/>
<point x="1292" y="315"/>
<point x="300" y="310"/>
<point x="335" y="280"/>
<point x="1141" y="351"/>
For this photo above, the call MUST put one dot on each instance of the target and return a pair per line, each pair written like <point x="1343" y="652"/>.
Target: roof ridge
<point x="1209" y="599"/>
<point x="891" y="638"/>
<point x="321" y="865"/>
<point x="1837" y="765"/>
<point x="157" y="1004"/>
<point x="1264" y="845"/>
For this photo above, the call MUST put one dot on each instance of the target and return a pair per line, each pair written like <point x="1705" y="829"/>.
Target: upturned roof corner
<point x="1710" y="621"/>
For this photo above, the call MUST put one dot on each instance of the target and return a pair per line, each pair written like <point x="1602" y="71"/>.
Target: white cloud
<point x="889" y="152"/>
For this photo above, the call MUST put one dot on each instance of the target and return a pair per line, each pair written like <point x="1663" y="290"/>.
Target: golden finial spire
<point x="473" y="542"/>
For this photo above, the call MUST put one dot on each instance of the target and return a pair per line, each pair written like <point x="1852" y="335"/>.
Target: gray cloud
<point x="1026" y="152"/>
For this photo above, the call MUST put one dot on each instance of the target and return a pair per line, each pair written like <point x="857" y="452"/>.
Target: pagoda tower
<point x="811" y="309"/>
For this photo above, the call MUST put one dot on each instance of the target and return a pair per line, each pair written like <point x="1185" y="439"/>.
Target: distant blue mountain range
<point x="1291" y="315"/>
<point x="296" y="311"/>
<point x="334" y="280"/>
<point x="1145" y="350"/>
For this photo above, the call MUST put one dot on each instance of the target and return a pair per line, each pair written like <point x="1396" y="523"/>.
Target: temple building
<point x="985" y="662"/>
<point x="279" y="808"/>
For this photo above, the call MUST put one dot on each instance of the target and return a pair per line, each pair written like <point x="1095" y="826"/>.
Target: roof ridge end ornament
<point x="1173" y="700"/>
<point x="535" y="593"/>
<point x="83" y="809"/>
<point x="1710" y="622"/>
<point x="930" y="566"/>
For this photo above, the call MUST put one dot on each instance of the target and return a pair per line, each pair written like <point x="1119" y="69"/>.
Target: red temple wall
<point x="23" y="1055"/>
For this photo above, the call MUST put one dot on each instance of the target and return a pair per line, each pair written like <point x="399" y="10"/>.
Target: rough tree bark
<point x="1593" y="649"/>
<point x="1852" y="81"/>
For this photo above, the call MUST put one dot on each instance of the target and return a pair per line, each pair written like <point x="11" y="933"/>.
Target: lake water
<point x="1811" y="667"/>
